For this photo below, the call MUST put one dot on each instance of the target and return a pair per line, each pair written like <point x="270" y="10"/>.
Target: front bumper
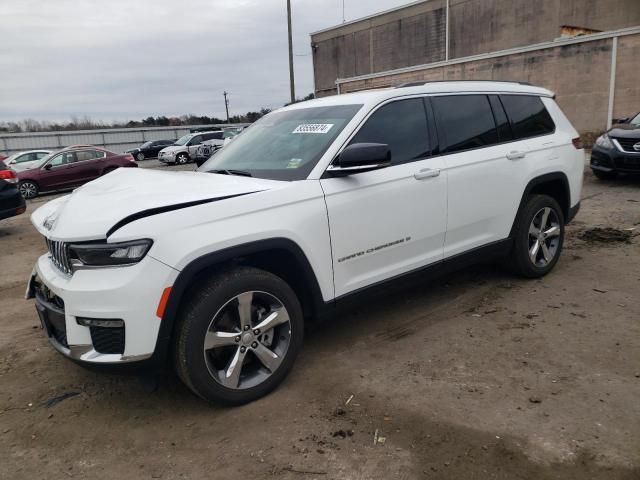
<point x="614" y="160"/>
<point x="166" y="157"/>
<point x="130" y="294"/>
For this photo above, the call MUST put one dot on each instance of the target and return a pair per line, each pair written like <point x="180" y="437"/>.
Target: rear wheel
<point x="182" y="158"/>
<point x="140" y="156"/>
<point x="538" y="237"/>
<point x="604" y="175"/>
<point x="239" y="336"/>
<point x="28" y="189"/>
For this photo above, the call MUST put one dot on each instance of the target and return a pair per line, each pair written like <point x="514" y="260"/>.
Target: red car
<point x="70" y="168"/>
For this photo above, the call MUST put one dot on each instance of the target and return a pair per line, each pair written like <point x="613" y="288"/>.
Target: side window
<point x="88" y="155"/>
<point x="62" y="159"/>
<point x="502" y="122"/>
<point x="27" y="157"/>
<point x="197" y="140"/>
<point x="403" y="126"/>
<point x="40" y="155"/>
<point x="528" y="116"/>
<point x="465" y="122"/>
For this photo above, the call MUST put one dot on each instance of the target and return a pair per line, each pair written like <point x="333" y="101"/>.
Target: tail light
<point x="129" y="157"/>
<point x="9" y="176"/>
<point x="577" y="142"/>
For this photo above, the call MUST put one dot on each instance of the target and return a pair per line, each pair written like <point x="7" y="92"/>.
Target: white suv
<point x="217" y="270"/>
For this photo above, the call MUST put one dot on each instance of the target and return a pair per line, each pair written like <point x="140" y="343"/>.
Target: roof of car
<point x="376" y="96"/>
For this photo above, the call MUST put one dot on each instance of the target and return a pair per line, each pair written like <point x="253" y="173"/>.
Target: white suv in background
<point x="217" y="270"/>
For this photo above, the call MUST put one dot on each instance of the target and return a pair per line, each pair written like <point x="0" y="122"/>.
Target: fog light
<point x="100" y="322"/>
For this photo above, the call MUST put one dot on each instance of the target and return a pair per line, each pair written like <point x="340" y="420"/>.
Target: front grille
<point x="108" y="339"/>
<point x="628" y="163"/>
<point x="627" y="144"/>
<point x="59" y="255"/>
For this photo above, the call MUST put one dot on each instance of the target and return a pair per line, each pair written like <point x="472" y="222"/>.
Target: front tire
<point x="182" y="159"/>
<point x="602" y="175"/>
<point x="28" y="189"/>
<point x="538" y="237"/>
<point x="140" y="157"/>
<point x="238" y="336"/>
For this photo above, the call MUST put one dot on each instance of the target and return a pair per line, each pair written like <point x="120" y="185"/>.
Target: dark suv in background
<point x="70" y="168"/>
<point x="618" y="150"/>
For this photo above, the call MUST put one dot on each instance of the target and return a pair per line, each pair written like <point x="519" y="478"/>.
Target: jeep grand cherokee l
<point x="217" y="270"/>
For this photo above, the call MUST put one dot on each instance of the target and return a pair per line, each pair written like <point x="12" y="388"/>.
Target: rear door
<point x="192" y="146"/>
<point x="88" y="165"/>
<point x="487" y="165"/>
<point x="389" y="221"/>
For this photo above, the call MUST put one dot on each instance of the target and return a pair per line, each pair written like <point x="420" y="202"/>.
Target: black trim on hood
<point x="168" y="208"/>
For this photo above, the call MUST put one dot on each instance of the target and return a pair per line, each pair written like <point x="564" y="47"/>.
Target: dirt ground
<point x="477" y="375"/>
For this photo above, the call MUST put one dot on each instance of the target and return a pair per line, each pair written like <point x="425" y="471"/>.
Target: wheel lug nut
<point x="243" y="349"/>
<point x="246" y="327"/>
<point x="256" y="332"/>
<point x="238" y="338"/>
<point x="254" y="344"/>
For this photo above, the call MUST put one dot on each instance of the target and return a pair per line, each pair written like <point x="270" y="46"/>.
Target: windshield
<point x="283" y="145"/>
<point x="636" y="120"/>
<point x="183" y="140"/>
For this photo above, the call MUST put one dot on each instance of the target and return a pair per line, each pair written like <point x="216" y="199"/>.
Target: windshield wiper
<point x="241" y="173"/>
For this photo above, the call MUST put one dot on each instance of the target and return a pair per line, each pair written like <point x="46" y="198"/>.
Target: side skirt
<point x="485" y="253"/>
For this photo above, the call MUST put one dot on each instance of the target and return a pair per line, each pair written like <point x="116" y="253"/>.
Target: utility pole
<point x="226" y="105"/>
<point x="291" y="79"/>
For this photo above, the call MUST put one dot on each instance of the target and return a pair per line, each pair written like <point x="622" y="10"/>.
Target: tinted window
<point x="403" y="126"/>
<point x="196" y="140"/>
<point x="529" y="117"/>
<point x="464" y="122"/>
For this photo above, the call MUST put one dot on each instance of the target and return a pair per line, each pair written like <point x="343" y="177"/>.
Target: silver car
<point x="25" y="160"/>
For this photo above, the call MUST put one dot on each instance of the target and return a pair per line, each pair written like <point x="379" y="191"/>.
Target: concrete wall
<point x="415" y="35"/>
<point x="578" y="73"/>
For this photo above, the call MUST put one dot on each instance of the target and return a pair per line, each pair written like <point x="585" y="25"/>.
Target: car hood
<point x="625" y="131"/>
<point x="98" y="208"/>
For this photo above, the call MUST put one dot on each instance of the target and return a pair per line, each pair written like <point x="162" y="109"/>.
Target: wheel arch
<point x="280" y="256"/>
<point x="556" y="185"/>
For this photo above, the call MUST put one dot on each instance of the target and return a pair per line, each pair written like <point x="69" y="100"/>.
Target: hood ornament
<point x="636" y="147"/>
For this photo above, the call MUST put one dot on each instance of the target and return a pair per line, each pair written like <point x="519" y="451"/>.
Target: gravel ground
<point x="475" y="375"/>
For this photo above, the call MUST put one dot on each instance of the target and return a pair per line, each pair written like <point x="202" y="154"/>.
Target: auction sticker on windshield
<point x="313" y="128"/>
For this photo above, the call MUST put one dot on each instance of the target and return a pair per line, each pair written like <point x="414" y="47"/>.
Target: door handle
<point x="427" y="173"/>
<point x="516" y="155"/>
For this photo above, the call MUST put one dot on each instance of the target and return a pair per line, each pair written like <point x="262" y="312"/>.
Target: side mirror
<point x="47" y="166"/>
<point x="361" y="157"/>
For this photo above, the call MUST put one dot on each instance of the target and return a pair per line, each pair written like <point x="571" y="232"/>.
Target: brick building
<point x="587" y="51"/>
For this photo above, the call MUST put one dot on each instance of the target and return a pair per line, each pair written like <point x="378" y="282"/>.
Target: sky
<point x="115" y="60"/>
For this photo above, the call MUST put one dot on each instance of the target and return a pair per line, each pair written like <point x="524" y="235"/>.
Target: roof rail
<point x="418" y="84"/>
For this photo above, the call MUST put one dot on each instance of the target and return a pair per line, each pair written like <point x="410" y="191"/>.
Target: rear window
<point x="465" y="122"/>
<point x="528" y="116"/>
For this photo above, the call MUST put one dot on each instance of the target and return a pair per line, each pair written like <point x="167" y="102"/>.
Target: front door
<point x="60" y="172"/>
<point x="389" y="221"/>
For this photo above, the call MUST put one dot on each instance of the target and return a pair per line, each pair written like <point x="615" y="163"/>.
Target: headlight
<point x="108" y="254"/>
<point x="604" y="141"/>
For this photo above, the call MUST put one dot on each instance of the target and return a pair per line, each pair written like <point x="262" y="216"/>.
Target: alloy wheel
<point x="544" y="237"/>
<point x="28" y="189"/>
<point x="140" y="156"/>
<point x="181" y="159"/>
<point x="247" y="340"/>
